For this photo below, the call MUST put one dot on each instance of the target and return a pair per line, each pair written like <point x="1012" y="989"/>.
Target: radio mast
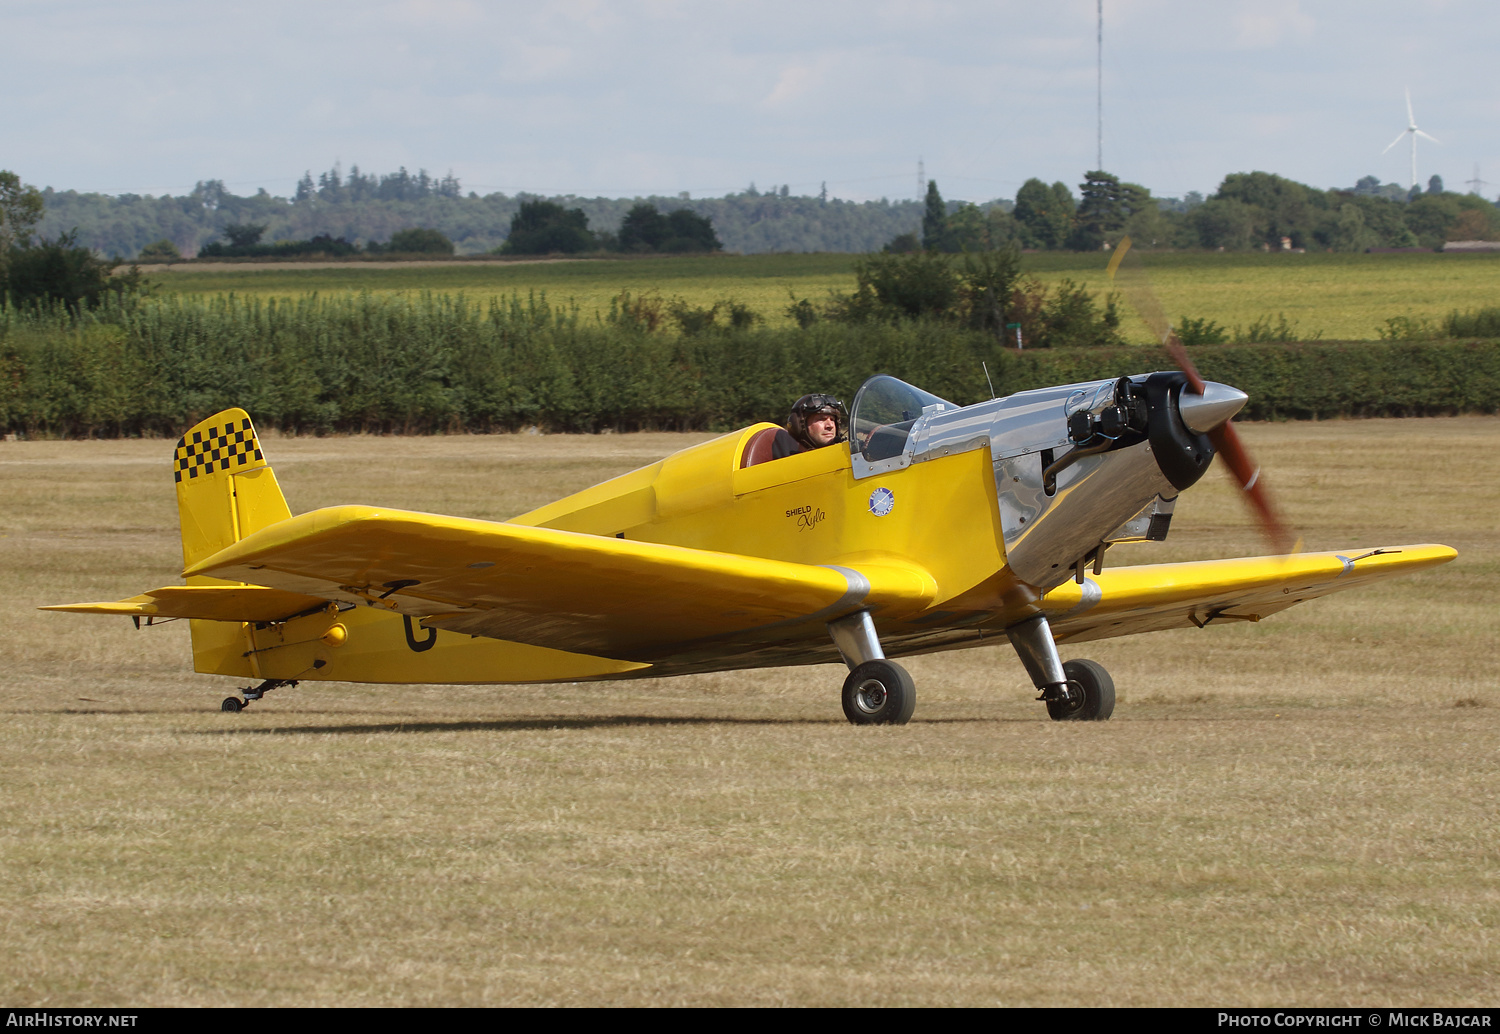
<point x="1099" y="156"/>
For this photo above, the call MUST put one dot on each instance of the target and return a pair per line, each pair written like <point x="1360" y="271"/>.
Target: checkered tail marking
<point x="216" y="447"/>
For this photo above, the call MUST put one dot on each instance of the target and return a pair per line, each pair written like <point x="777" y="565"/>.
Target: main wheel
<point x="879" y="693"/>
<point x="1098" y="700"/>
<point x="232" y="705"/>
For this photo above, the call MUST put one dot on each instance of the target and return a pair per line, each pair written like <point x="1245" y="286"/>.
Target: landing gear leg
<point x="234" y="705"/>
<point x="877" y="691"/>
<point x="1079" y="691"/>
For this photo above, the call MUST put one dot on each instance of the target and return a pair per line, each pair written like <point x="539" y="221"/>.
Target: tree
<point x="1101" y="211"/>
<point x="1224" y="224"/>
<point x="1067" y="211"/>
<point x="689" y="231"/>
<point x="987" y="284"/>
<point x="971" y="228"/>
<point x="1435" y="184"/>
<point x="544" y="227"/>
<point x="1278" y="207"/>
<point x="60" y="271"/>
<point x="1383" y="219"/>
<point x="1151" y="226"/>
<point x="903" y="244"/>
<point x="1071" y="318"/>
<point x="1475" y="225"/>
<point x="43" y="271"/>
<point x="1044" y="214"/>
<point x="645" y="229"/>
<point x="966" y="230"/>
<point x="21" y="208"/>
<point x="1430" y="216"/>
<point x="420" y="242"/>
<point x="889" y="288"/>
<point x="163" y="248"/>
<point x="244" y="235"/>
<point x="211" y="194"/>
<point x="934" y="220"/>
<point x="1350" y="233"/>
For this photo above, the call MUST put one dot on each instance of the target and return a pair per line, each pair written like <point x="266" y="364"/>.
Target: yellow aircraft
<point x="931" y="527"/>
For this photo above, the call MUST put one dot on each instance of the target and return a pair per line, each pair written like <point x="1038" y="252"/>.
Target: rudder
<point x="225" y="491"/>
<point x="225" y="488"/>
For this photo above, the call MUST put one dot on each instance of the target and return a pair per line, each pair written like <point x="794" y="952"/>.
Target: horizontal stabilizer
<point x="207" y="602"/>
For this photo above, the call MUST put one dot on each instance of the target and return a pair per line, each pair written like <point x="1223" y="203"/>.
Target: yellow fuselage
<point x="937" y="520"/>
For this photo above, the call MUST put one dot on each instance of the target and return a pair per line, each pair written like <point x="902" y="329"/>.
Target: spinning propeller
<point x="1131" y="279"/>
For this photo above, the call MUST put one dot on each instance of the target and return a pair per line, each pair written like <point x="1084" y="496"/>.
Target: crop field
<point x="1295" y="812"/>
<point x="1335" y="297"/>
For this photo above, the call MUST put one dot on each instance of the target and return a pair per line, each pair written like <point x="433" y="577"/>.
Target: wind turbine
<point x="1411" y="128"/>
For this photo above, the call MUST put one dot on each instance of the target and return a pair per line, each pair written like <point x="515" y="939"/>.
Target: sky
<point x="624" y="98"/>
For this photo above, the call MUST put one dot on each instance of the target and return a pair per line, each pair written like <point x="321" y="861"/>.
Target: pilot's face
<point x="822" y="428"/>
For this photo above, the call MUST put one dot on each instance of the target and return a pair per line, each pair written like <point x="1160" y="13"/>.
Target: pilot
<point x="817" y="420"/>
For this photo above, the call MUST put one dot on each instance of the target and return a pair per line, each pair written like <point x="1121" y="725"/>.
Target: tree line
<point x="537" y="228"/>
<point x="545" y="227"/>
<point x="1249" y="210"/>
<point x="347" y="207"/>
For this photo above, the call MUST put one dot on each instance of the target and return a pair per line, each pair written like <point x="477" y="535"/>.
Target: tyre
<point x="879" y="693"/>
<point x="1098" y="700"/>
<point x="231" y="705"/>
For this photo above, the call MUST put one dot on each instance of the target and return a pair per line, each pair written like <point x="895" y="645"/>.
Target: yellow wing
<point x="581" y="593"/>
<point x="1128" y="600"/>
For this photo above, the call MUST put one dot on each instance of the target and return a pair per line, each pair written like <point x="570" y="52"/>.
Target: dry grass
<point x="1297" y="812"/>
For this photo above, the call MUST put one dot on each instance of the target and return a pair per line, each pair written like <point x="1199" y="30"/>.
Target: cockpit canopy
<point x="884" y="411"/>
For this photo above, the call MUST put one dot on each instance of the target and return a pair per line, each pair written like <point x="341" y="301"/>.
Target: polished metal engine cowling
<point x="1068" y="487"/>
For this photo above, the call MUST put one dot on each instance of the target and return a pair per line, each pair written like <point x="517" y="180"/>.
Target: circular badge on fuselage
<point x="882" y="501"/>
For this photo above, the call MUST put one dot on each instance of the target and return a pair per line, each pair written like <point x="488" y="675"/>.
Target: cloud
<point x="592" y="96"/>
<point x="793" y="84"/>
<point x="1270" y="23"/>
<point x="438" y="12"/>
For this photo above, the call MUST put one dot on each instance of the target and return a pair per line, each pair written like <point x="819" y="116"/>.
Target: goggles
<point x="816" y="403"/>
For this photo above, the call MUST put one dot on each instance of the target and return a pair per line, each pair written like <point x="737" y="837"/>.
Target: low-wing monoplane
<point x="935" y="527"/>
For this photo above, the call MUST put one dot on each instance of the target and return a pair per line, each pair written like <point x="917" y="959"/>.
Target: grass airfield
<point x="1297" y="812"/>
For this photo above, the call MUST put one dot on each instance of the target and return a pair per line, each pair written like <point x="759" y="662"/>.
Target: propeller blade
<point x="1226" y="439"/>
<point x="1280" y="534"/>
<point x="1396" y="141"/>
<point x="1428" y="136"/>
<point x="1411" y="120"/>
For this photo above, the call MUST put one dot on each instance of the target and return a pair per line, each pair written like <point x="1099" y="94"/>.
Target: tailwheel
<point x="1091" y="694"/>
<point x="234" y="705"/>
<point x="879" y="693"/>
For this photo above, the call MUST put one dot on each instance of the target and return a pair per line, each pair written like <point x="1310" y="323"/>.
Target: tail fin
<point x="225" y="491"/>
<point x="225" y="487"/>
